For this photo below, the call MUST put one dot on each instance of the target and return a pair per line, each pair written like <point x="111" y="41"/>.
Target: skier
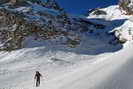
<point x="37" y="78"/>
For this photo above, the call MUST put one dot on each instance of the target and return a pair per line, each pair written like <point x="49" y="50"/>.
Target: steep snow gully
<point x="114" y="73"/>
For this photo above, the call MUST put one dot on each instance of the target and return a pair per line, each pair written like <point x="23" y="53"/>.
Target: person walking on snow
<point x="37" y="78"/>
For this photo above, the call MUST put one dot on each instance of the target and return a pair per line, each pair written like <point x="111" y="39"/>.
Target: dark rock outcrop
<point x="126" y="5"/>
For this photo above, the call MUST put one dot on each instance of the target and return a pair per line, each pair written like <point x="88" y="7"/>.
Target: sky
<point x="81" y="6"/>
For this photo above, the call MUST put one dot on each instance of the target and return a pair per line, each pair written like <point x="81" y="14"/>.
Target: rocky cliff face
<point x="45" y="20"/>
<point x="126" y="5"/>
<point x="38" y="19"/>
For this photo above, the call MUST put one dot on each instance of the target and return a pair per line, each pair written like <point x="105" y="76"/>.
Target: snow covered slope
<point x="111" y="72"/>
<point x="115" y="17"/>
<point x="95" y="62"/>
<point x="52" y="60"/>
<point x="67" y="70"/>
